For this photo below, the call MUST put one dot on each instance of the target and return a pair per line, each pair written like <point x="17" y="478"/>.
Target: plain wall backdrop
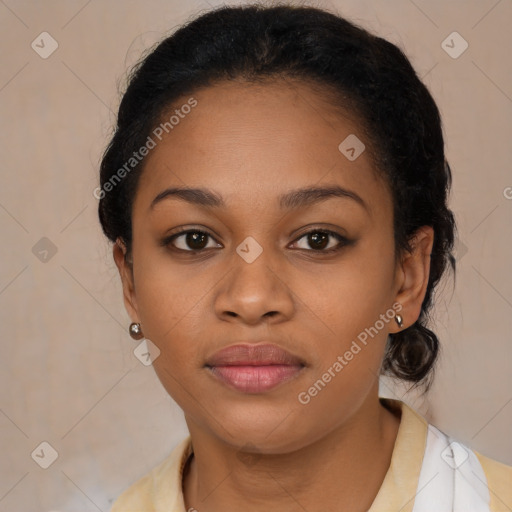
<point x="69" y="376"/>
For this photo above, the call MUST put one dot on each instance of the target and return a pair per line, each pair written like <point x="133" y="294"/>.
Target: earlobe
<point x="126" y="273"/>
<point x="415" y="272"/>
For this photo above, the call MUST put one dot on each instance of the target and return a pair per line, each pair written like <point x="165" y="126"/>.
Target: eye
<point x="190" y="241"/>
<point x="195" y="241"/>
<point x="321" y="240"/>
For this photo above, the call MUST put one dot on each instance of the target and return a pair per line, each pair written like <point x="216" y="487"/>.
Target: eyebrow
<point x="293" y="199"/>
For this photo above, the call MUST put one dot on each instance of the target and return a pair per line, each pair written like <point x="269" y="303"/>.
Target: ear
<point x="412" y="277"/>
<point x="126" y="272"/>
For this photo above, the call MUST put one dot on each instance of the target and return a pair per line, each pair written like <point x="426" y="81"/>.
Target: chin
<point x="261" y="430"/>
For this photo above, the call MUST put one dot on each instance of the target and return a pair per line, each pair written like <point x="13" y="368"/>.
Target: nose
<point x="254" y="293"/>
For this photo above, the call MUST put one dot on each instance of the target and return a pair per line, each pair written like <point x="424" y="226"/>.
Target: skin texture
<point x="250" y="144"/>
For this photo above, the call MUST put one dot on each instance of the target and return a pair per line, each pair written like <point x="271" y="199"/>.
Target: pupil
<point x="192" y="239"/>
<point x="319" y="239"/>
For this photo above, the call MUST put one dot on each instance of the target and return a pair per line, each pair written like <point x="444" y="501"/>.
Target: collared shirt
<point x="161" y="489"/>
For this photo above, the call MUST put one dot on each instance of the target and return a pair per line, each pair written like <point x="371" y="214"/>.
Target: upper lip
<point x="249" y="354"/>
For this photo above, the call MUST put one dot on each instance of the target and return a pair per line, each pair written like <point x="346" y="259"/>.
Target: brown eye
<point x="190" y="241"/>
<point x="322" y="241"/>
<point x="318" y="240"/>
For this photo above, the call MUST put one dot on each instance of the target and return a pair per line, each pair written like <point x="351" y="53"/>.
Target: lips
<point x="254" y="368"/>
<point x="253" y="355"/>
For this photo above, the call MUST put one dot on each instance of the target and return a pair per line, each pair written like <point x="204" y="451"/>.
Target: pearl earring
<point x="135" y="331"/>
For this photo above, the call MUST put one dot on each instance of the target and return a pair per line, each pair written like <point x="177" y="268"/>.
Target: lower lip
<point x="255" y="379"/>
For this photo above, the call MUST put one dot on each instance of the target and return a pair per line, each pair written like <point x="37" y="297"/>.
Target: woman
<point x="276" y="192"/>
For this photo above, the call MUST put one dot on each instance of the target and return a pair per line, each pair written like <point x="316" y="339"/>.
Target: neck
<point x="346" y="466"/>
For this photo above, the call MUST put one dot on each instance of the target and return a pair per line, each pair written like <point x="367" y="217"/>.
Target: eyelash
<point x="341" y="239"/>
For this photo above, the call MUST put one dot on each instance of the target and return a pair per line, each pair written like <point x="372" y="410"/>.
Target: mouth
<point x="253" y="368"/>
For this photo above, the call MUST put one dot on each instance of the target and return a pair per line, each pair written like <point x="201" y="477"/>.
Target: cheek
<point x="165" y="291"/>
<point x="351" y="296"/>
<point x="350" y="304"/>
<point x="171" y="316"/>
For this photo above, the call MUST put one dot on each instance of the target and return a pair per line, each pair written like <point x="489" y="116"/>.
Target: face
<point x="254" y="262"/>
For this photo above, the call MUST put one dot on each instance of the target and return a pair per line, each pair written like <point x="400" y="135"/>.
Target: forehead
<point x="253" y="142"/>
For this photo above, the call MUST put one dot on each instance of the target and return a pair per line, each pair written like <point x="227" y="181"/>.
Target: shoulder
<point x="450" y="470"/>
<point x="160" y="489"/>
<point x="499" y="481"/>
<point x="136" y="498"/>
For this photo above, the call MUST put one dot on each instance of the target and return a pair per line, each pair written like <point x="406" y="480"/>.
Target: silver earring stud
<point x="399" y="320"/>
<point x="135" y="331"/>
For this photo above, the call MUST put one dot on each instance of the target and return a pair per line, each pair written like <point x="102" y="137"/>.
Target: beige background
<point x="68" y="374"/>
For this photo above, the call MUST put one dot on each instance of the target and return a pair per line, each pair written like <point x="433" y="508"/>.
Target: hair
<point x="358" y="72"/>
